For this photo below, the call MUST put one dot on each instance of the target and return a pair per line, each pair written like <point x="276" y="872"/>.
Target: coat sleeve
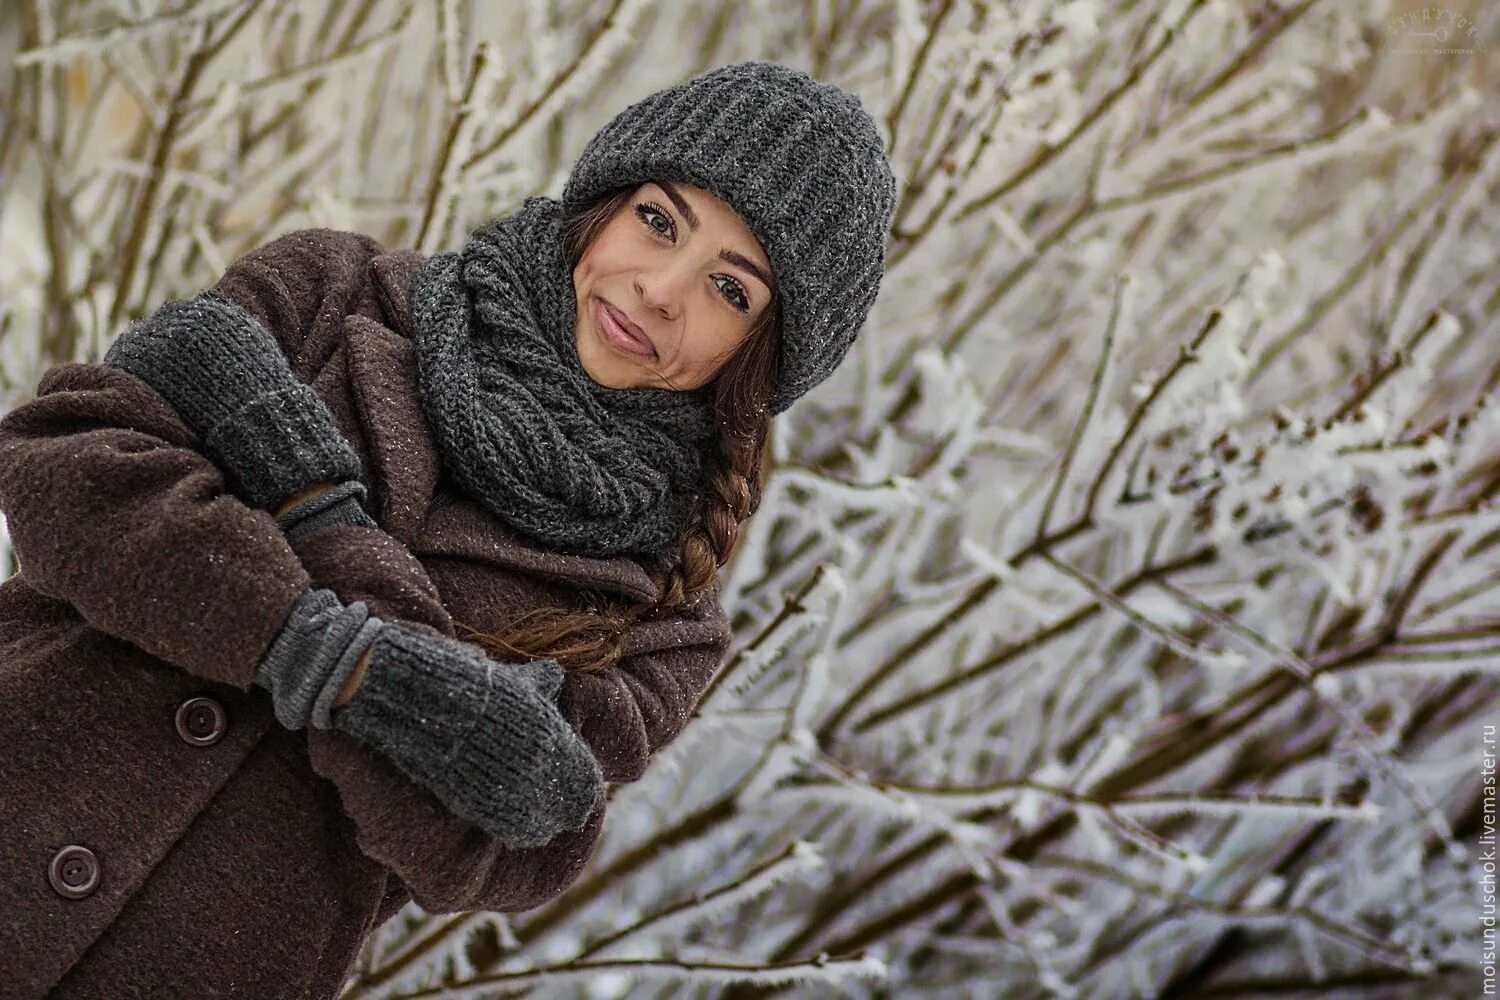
<point x="113" y="508"/>
<point x="447" y="864"/>
<point x="629" y="710"/>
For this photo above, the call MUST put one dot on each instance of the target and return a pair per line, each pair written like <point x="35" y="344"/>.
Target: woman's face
<point x="681" y="265"/>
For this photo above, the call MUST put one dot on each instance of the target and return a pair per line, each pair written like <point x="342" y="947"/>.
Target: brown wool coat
<point x="160" y="834"/>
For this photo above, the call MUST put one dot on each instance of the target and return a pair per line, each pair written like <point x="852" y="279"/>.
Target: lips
<point x="628" y="326"/>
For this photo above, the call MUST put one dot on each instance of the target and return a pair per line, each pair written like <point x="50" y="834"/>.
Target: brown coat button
<point x="201" y="721"/>
<point x="74" y="872"/>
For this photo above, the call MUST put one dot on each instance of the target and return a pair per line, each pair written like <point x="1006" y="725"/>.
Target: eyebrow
<point x="725" y="254"/>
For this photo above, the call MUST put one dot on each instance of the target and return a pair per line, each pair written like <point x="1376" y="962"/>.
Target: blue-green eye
<point x="654" y="211"/>
<point x="649" y="210"/>
<point x="739" y="301"/>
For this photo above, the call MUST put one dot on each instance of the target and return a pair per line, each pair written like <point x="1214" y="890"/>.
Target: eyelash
<point x="650" y="206"/>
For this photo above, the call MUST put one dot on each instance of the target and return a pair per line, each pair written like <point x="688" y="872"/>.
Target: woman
<point x="232" y="751"/>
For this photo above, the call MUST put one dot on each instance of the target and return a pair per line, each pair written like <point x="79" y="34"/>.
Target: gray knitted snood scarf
<point x="523" y="429"/>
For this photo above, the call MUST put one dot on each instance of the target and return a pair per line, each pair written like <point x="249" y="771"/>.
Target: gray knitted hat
<point x="801" y="162"/>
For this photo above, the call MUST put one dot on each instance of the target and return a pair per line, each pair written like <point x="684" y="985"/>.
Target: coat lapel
<point x="383" y="375"/>
<point x="394" y="273"/>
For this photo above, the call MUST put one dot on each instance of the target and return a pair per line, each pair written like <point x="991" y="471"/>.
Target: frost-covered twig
<point x="1378" y="757"/>
<point x="73" y="46"/>
<point x="205" y="48"/>
<point x="1007" y="654"/>
<point x="1138" y="72"/>
<point x="823" y="969"/>
<point x="1363" y="941"/>
<point x="447" y="172"/>
<point x="1106" y="353"/>
<point x="612" y="33"/>
<point x="798" y="859"/>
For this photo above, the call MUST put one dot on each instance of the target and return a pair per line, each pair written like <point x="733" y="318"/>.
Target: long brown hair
<point x="594" y="638"/>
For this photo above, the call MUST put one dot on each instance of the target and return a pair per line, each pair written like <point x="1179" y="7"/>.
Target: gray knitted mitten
<point x="229" y="379"/>
<point x="486" y="738"/>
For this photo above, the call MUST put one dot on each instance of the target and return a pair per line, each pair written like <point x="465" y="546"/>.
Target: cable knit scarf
<point x="521" y="427"/>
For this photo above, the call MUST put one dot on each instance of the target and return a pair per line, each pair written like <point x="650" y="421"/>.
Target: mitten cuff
<point x="339" y="504"/>
<point x="320" y="715"/>
<point x="280" y="443"/>
<point x="315" y="651"/>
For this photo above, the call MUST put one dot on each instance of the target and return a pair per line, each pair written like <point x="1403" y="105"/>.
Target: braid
<point x="734" y="480"/>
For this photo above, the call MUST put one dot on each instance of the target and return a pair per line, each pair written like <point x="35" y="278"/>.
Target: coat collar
<point x="394" y="273"/>
<point x="383" y="373"/>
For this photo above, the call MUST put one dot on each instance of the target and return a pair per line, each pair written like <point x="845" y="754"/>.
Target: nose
<point x="662" y="288"/>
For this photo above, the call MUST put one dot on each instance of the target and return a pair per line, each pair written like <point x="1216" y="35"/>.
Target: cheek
<point x="712" y="348"/>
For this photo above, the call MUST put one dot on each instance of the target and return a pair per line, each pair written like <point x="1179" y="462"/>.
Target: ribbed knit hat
<point x="801" y="162"/>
